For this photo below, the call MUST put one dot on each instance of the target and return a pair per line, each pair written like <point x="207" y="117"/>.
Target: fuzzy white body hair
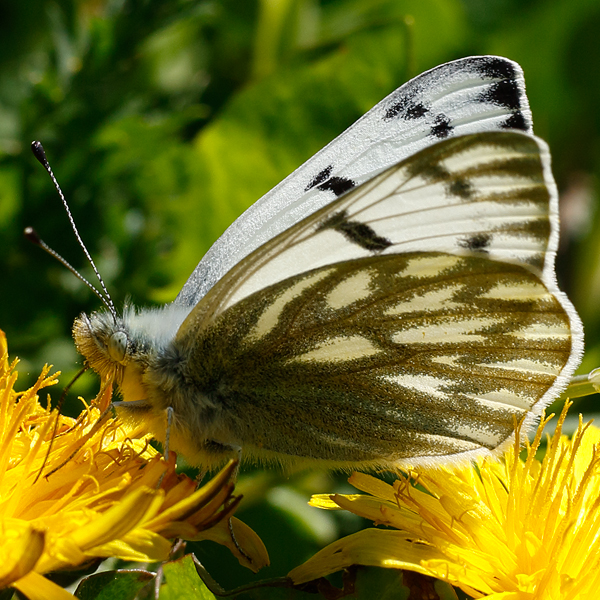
<point x="160" y="324"/>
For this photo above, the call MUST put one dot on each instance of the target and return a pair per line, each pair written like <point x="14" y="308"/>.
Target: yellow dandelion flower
<point x="511" y="530"/>
<point x="93" y="491"/>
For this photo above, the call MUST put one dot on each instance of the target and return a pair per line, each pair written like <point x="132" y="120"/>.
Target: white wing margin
<point x="481" y="93"/>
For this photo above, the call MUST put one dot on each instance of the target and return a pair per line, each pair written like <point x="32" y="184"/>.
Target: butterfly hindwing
<point x="384" y="360"/>
<point x="480" y="93"/>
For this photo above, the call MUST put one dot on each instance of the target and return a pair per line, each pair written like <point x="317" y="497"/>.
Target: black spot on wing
<point x="503" y="93"/>
<point x="461" y="188"/>
<point x="416" y="111"/>
<point x="515" y="121"/>
<point x="433" y="172"/>
<point x="338" y="185"/>
<point x="441" y="128"/>
<point x="356" y="232"/>
<point x="405" y="107"/>
<point x="319" y="178"/>
<point x="493" y="67"/>
<point x="477" y="243"/>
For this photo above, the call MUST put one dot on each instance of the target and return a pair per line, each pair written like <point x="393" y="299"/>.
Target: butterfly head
<point x="121" y="348"/>
<point x="104" y="342"/>
<point x="129" y="351"/>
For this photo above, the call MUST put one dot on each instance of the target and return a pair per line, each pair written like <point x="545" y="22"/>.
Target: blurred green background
<point x="164" y="120"/>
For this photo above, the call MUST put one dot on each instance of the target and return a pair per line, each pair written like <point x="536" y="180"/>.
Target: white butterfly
<point x="392" y="302"/>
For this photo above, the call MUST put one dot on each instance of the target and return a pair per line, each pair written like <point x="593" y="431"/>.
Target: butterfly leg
<point x="236" y="472"/>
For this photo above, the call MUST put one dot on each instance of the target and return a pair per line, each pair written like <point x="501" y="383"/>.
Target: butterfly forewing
<point x="480" y="93"/>
<point x="385" y="360"/>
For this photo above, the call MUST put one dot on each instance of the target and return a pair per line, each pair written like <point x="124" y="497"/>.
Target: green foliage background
<point x="165" y="119"/>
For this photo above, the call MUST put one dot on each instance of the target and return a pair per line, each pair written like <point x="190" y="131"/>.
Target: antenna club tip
<point x="38" y="152"/>
<point x="31" y="234"/>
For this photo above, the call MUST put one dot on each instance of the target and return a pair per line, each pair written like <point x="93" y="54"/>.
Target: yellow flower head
<point x="92" y="490"/>
<point x="516" y="529"/>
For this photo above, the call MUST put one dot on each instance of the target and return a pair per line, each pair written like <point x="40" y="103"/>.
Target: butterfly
<point x="392" y="303"/>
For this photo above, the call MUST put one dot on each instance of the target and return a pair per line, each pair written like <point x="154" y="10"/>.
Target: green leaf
<point x="183" y="582"/>
<point x="113" y="585"/>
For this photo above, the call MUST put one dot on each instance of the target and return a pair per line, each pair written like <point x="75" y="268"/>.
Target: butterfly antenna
<point x="38" y="152"/>
<point x="31" y="234"/>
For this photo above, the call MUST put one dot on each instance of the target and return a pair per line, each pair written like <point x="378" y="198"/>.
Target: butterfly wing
<point x="414" y="317"/>
<point x="469" y="95"/>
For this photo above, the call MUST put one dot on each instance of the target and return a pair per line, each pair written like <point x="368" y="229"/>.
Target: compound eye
<point x="117" y="346"/>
